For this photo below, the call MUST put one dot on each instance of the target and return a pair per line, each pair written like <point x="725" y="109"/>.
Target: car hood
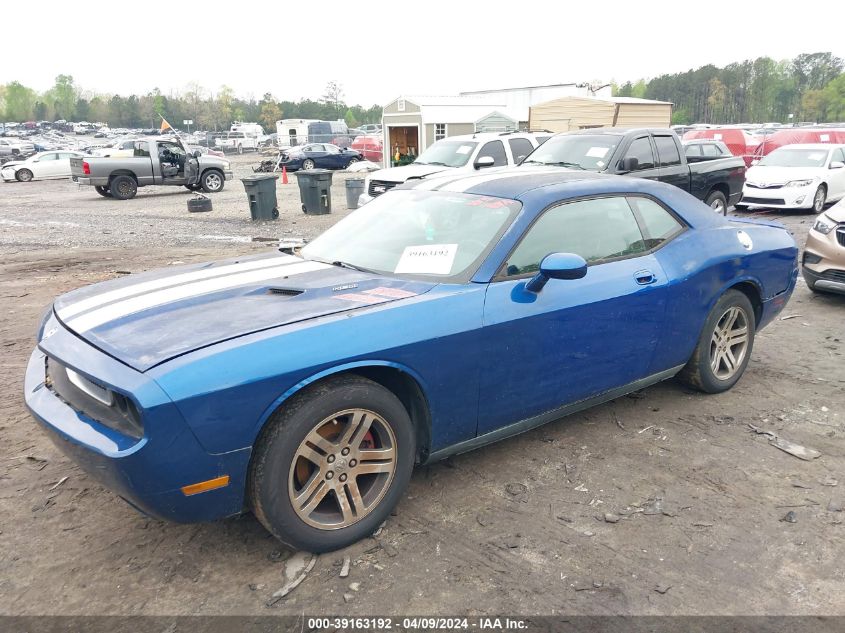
<point x="146" y="319"/>
<point x="11" y="163"/>
<point x="763" y="175"/>
<point x="836" y="212"/>
<point x="406" y="172"/>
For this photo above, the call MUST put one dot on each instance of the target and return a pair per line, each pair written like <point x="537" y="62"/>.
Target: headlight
<point x="799" y="183"/>
<point x="824" y="225"/>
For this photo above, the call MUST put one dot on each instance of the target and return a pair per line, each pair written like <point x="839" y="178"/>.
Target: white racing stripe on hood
<point x="133" y="305"/>
<point x="166" y="282"/>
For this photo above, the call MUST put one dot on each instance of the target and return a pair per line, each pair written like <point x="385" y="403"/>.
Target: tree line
<point x="810" y="87"/>
<point x="209" y="110"/>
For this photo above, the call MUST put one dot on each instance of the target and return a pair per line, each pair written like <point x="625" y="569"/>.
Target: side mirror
<point x="557" y="266"/>
<point x="837" y="164"/>
<point x="629" y="163"/>
<point x="484" y="161"/>
<point x="520" y="158"/>
<point x="197" y="153"/>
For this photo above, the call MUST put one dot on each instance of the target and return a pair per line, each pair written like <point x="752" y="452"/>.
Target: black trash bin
<point x="315" y="190"/>
<point x="354" y="189"/>
<point x="261" y="193"/>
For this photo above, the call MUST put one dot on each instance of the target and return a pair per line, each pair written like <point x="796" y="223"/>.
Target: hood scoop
<point x="287" y="292"/>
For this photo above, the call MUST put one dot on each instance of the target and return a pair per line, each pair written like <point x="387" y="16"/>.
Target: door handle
<point x="644" y="277"/>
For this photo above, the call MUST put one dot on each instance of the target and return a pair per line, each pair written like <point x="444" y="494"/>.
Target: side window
<point x="315" y="148"/>
<point x="838" y="155"/>
<point x="641" y="150"/>
<point x="128" y="145"/>
<point x="667" y="151"/>
<point x="692" y="150"/>
<point x="46" y="157"/>
<point x="141" y="149"/>
<point x="496" y="150"/>
<point x="711" y="149"/>
<point x="520" y="148"/>
<point x="598" y="230"/>
<point x="658" y="224"/>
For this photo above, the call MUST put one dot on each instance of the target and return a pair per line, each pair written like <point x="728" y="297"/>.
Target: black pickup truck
<point x="645" y="153"/>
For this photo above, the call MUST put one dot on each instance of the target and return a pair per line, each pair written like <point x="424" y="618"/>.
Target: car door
<point x="47" y="165"/>
<point x="333" y="158"/>
<point x="575" y="338"/>
<point x="641" y="149"/>
<point x="836" y="175"/>
<point x="63" y="164"/>
<point x="672" y="169"/>
<point x="317" y="153"/>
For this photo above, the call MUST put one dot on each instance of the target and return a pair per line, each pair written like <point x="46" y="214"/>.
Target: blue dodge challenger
<point x="442" y="316"/>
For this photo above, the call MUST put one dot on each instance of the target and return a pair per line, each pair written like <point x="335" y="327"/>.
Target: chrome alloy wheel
<point x="729" y="343"/>
<point x="342" y="469"/>
<point x="214" y="182"/>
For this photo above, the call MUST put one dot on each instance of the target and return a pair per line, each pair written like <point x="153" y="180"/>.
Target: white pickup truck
<point x="236" y="142"/>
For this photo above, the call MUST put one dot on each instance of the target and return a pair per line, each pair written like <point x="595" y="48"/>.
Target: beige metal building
<point x="578" y="113"/>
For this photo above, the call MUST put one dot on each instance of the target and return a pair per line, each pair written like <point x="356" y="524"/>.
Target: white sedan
<point x="41" y="166"/>
<point x="805" y="176"/>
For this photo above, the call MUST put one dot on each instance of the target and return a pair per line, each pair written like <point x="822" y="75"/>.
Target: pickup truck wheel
<point x="212" y="181"/>
<point x="23" y="175"/>
<point x="103" y="191"/>
<point x="123" y="187"/>
<point x="716" y="201"/>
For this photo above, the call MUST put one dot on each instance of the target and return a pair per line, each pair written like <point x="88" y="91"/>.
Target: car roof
<point x="486" y="136"/>
<point x="824" y="146"/>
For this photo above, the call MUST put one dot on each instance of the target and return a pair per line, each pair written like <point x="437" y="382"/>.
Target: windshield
<point x="578" y="151"/>
<point x="795" y="158"/>
<point x="447" y="153"/>
<point x="418" y="233"/>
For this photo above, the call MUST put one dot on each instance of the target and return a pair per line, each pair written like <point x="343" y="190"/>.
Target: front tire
<point x="331" y="465"/>
<point x="724" y="347"/>
<point x="123" y="187"/>
<point x="819" y="198"/>
<point x="212" y="181"/>
<point x="23" y="175"/>
<point x="716" y="201"/>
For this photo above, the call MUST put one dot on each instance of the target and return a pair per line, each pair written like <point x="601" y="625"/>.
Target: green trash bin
<point x="261" y="193"/>
<point x="354" y="189"/>
<point x="315" y="191"/>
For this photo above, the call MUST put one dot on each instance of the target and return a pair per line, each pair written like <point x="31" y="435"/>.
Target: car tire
<point x="316" y="507"/>
<point x="716" y="200"/>
<point x="307" y="164"/>
<point x="714" y="366"/>
<point x="103" y="191"/>
<point x="193" y="187"/>
<point x="819" y="198"/>
<point x="212" y="181"/>
<point x="123" y="187"/>
<point x="352" y="161"/>
<point x="23" y="175"/>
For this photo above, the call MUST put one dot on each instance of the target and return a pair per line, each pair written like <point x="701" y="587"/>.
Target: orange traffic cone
<point x="284" y="175"/>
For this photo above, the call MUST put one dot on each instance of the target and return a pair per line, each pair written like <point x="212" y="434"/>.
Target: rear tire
<point x="103" y="191"/>
<point x="23" y="175"/>
<point x="307" y="164"/>
<point x="724" y="347"/>
<point x="299" y="451"/>
<point x="716" y="201"/>
<point x="352" y="161"/>
<point x="123" y="187"/>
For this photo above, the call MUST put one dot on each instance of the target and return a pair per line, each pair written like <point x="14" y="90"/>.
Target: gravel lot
<point x="695" y="500"/>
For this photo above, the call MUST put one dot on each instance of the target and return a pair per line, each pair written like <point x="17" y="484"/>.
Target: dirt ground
<point x="662" y="502"/>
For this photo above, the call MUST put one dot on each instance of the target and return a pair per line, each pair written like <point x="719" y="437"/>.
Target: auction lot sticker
<point x="428" y="259"/>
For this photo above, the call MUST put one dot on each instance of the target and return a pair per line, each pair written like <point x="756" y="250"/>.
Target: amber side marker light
<point x="205" y="486"/>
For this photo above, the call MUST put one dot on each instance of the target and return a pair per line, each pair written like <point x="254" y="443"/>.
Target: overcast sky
<point x="378" y="50"/>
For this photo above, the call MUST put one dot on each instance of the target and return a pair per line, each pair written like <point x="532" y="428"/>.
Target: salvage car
<point x="155" y="161"/>
<point x="305" y="387"/>
<point x="318" y="155"/>
<point x="797" y="177"/>
<point x="823" y="261"/>
<point x="645" y="153"/>
<point x="41" y="166"/>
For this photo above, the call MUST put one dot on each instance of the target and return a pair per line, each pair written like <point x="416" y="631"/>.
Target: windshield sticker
<point x="599" y="163"/>
<point x="597" y="152"/>
<point x="464" y="149"/>
<point x="824" y="138"/>
<point x="360" y="298"/>
<point x="393" y="293"/>
<point x="429" y="259"/>
<point x="717" y="137"/>
<point x="816" y="156"/>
